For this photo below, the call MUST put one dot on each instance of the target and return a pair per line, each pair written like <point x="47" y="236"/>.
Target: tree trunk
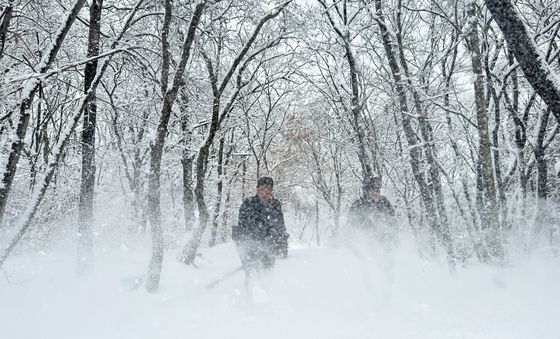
<point x="491" y="90"/>
<point x="87" y="187"/>
<point x="533" y="64"/>
<point x="317" y="233"/>
<point x="496" y="152"/>
<point x="217" y="206"/>
<point x="188" y="196"/>
<point x="489" y="215"/>
<point x="243" y="179"/>
<point x="225" y="234"/>
<point x="190" y="250"/>
<point x="187" y="159"/>
<point x="5" y="18"/>
<point x="21" y="121"/>
<point x="365" y="161"/>
<point x="165" y="52"/>
<point x="539" y="151"/>
<point x="154" y="202"/>
<point x="339" y="193"/>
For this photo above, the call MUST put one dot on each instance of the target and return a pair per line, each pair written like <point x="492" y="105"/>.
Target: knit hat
<point x="371" y="183"/>
<point x="265" y="181"/>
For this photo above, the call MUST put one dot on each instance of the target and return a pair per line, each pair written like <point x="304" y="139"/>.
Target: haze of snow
<point x="341" y="290"/>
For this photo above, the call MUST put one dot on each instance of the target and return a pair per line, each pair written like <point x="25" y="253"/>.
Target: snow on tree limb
<point x="43" y="76"/>
<point x="533" y="63"/>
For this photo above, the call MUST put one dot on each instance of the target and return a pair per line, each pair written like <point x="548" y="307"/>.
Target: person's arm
<point x="389" y="207"/>
<point x="279" y="236"/>
<point x="354" y="214"/>
<point x="239" y="231"/>
<point x="281" y="224"/>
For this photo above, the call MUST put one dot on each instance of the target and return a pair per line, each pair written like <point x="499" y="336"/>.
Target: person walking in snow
<point x="260" y="234"/>
<point x="372" y="212"/>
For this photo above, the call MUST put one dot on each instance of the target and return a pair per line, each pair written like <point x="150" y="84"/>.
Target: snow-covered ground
<point x="329" y="292"/>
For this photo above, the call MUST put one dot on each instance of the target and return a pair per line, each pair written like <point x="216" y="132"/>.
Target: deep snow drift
<point x="329" y="292"/>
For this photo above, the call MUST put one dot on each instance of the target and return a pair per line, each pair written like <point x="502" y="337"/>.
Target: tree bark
<point x="520" y="135"/>
<point x="165" y="52"/>
<point x="87" y="187"/>
<point x="317" y="233"/>
<point x="187" y="159"/>
<point x="539" y="151"/>
<point x="218" y="205"/>
<point x="226" y="233"/>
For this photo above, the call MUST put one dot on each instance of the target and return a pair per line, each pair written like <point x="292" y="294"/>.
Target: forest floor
<point x="326" y="292"/>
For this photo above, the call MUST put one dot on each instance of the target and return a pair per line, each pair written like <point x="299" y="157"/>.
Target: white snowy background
<point x="338" y="289"/>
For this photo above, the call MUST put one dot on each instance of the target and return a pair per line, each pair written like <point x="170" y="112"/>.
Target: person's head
<point x="372" y="187"/>
<point x="264" y="188"/>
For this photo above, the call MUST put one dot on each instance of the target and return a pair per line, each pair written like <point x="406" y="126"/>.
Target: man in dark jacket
<point x="372" y="212"/>
<point x="260" y="234"/>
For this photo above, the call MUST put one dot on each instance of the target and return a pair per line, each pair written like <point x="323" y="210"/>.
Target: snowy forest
<point x="131" y="131"/>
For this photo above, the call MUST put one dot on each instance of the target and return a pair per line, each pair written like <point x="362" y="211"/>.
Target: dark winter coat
<point x="367" y="213"/>
<point x="262" y="222"/>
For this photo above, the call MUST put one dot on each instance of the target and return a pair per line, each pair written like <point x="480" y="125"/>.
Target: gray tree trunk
<point x="218" y="205"/>
<point x="489" y="213"/>
<point x="87" y="187"/>
<point x="6" y="13"/>
<point x="539" y="151"/>
<point x="187" y="160"/>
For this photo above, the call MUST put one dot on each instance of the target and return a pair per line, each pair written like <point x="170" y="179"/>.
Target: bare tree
<point x="413" y="142"/>
<point x="343" y="32"/>
<point x="486" y="192"/>
<point x="187" y="159"/>
<point x="21" y="120"/>
<point x="87" y="188"/>
<point x="57" y="152"/>
<point x="154" y="202"/>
